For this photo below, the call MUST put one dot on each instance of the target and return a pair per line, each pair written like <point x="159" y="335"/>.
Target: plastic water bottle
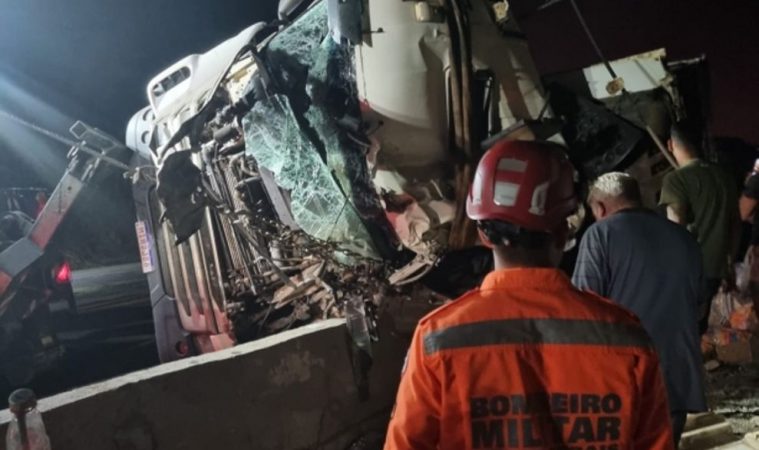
<point x="26" y="431"/>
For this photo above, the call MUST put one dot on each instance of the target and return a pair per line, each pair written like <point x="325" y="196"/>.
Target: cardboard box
<point x="740" y="351"/>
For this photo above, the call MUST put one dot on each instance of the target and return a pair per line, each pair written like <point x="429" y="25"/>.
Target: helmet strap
<point x="510" y="235"/>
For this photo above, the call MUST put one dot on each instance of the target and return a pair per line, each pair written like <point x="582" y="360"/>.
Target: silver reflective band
<point x="536" y="331"/>
<point x="505" y="193"/>
<point x="512" y="165"/>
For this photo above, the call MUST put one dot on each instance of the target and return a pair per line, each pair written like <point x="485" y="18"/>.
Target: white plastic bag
<point x="723" y="306"/>
<point x="742" y="276"/>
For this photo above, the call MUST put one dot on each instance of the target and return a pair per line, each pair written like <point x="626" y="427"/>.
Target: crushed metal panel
<point x="403" y="71"/>
<point x="348" y="144"/>
<point x="599" y="140"/>
<point x="19" y="256"/>
<point x="505" y="51"/>
<point x="604" y="130"/>
<point x="318" y="205"/>
<point x="345" y="20"/>
<point x="402" y="77"/>
<point x="643" y="72"/>
<point x="140" y="132"/>
<point x="280" y="200"/>
<point x="296" y="137"/>
<point x="187" y="83"/>
<point x="179" y="185"/>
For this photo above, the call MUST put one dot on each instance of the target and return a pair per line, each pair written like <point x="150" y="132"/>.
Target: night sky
<point x="91" y="59"/>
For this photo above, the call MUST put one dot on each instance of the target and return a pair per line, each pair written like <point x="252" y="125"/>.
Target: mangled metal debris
<point x="313" y="168"/>
<point x="607" y="130"/>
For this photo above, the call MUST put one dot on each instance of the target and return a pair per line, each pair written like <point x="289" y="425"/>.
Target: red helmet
<point x="526" y="183"/>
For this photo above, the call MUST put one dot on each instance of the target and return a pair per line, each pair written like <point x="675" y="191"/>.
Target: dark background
<point x="91" y="59"/>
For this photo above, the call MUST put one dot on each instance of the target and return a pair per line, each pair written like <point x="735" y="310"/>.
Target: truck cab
<point x="316" y="166"/>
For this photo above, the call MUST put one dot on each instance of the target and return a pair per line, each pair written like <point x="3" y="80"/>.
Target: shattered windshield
<point x="297" y="134"/>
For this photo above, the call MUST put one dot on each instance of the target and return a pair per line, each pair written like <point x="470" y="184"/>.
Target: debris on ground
<point x="707" y="431"/>
<point x="731" y="352"/>
<point x="733" y="420"/>
<point x="732" y="328"/>
<point x="733" y="392"/>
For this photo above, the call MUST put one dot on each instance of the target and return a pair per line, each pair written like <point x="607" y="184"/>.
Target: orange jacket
<point x="528" y="361"/>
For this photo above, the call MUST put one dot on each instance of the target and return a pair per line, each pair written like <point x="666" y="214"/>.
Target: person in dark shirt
<point x="750" y="213"/>
<point x="653" y="267"/>
<point x="748" y="202"/>
<point x="704" y="198"/>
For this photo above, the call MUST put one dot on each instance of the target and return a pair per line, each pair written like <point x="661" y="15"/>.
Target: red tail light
<point x="183" y="349"/>
<point x="63" y="274"/>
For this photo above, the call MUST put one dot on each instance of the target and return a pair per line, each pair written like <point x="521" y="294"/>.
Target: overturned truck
<point x="316" y="166"/>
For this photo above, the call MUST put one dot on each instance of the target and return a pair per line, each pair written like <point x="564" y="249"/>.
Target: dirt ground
<point x="733" y="392"/>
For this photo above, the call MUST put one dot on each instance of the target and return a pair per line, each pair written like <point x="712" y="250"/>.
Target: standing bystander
<point x="653" y="267"/>
<point x="704" y="198"/>
<point x="749" y="213"/>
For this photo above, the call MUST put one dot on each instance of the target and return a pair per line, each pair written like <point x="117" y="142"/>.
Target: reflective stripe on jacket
<point x="528" y="361"/>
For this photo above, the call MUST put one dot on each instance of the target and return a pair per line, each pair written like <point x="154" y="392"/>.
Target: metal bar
<point x="64" y="140"/>
<point x="592" y="39"/>
<point x="625" y="92"/>
<point x="55" y="210"/>
<point x="660" y="146"/>
<point x="463" y="230"/>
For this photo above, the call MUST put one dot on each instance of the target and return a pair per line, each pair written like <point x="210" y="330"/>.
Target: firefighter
<point x="527" y="360"/>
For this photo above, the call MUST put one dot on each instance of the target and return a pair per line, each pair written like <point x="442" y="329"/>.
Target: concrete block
<point x="293" y="390"/>
<point x="707" y="431"/>
<point x="751" y="441"/>
<point x="739" y="352"/>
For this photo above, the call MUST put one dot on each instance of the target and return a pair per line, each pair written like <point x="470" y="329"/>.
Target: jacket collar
<point x="692" y="162"/>
<point x="549" y="279"/>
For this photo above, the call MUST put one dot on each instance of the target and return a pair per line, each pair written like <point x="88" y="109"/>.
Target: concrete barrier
<point x="294" y="390"/>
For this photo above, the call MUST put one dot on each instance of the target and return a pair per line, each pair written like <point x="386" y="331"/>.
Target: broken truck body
<point x="316" y="168"/>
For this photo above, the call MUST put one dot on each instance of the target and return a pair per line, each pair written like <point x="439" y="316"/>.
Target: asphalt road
<point x="110" y="334"/>
<point x="110" y="286"/>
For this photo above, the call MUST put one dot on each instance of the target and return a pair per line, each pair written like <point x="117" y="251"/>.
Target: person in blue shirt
<point x="653" y="267"/>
